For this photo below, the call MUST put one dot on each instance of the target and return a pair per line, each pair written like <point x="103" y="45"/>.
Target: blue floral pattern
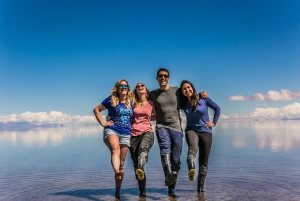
<point x="120" y="115"/>
<point x="123" y="116"/>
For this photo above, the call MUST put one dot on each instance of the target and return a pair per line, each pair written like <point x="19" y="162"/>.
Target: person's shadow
<point x="108" y="194"/>
<point x="92" y="194"/>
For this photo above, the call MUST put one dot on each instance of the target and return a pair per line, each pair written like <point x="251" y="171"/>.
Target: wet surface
<point x="249" y="161"/>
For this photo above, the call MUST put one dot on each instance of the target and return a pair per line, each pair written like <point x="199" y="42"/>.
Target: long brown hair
<point x="115" y="96"/>
<point x="183" y="99"/>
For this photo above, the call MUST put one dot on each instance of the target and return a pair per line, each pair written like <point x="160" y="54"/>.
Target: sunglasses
<point x="140" y="86"/>
<point x="123" y="86"/>
<point x="163" y="75"/>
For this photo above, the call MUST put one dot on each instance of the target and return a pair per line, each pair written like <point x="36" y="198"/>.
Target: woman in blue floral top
<point x="116" y="134"/>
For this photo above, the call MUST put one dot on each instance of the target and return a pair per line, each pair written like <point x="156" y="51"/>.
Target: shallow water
<point x="249" y="161"/>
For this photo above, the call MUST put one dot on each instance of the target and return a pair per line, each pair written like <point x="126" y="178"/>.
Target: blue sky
<point x="66" y="55"/>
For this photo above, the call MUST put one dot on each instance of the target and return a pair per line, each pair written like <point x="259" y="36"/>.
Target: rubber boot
<point x="142" y="185"/>
<point x="142" y="159"/>
<point x="191" y="164"/>
<point x="201" y="179"/>
<point x="171" y="190"/>
<point x="169" y="175"/>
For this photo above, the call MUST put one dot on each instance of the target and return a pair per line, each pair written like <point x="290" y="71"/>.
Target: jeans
<point x="170" y="142"/>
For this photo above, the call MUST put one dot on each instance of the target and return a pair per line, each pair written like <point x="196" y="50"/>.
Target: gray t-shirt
<point x="167" y="108"/>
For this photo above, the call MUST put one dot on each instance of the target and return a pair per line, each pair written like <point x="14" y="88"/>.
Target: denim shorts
<point x="123" y="138"/>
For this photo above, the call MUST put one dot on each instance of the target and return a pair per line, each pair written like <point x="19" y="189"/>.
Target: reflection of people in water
<point x="142" y="136"/>
<point x="116" y="134"/>
<point x="168" y="127"/>
<point x="198" y="129"/>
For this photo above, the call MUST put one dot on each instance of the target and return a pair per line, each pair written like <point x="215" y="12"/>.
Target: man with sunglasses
<point x="168" y="127"/>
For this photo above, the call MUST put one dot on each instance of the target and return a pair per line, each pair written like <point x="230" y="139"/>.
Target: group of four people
<point x="129" y="125"/>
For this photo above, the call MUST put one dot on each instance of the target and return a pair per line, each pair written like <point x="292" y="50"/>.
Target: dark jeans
<point x="170" y="142"/>
<point x="203" y="141"/>
<point x="139" y="149"/>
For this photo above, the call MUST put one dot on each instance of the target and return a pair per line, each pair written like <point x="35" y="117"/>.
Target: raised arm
<point x="99" y="108"/>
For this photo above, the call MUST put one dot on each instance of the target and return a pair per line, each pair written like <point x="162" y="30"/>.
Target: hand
<point x="210" y="124"/>
<point x="108" y="123"/>
<point x="203" y="94"/>
<point x="107" y="118"/>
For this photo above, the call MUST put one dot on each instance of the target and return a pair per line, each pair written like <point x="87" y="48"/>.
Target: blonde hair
<point x="136" y="96"/>
<point x="115" y="96"/>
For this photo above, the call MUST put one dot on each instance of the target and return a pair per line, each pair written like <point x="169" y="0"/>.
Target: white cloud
<point x="283" y="95"/>
<point x="51" y="136"/>
<point x="53" y="117"/>
<point x="289" y="111"/>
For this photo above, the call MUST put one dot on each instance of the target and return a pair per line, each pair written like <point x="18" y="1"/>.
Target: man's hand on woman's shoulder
<point x="203" y="94"/>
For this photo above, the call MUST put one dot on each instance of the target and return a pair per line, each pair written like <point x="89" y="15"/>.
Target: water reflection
<point x="46" y="136"/>
<point x="73" y="163"/>
<point x="277" y="135"/>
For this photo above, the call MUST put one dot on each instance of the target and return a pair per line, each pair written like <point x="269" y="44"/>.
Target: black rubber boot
<point x="142" y="159"/>
<point x="191" y="164"/>
<point x="142" y="185"/>
<point x="201" y="179"/>
<point x="171" y="190"/>
<point x="170" y="176"/>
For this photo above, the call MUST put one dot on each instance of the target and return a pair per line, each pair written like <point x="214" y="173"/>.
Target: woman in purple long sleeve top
<point x="198" y="131"/>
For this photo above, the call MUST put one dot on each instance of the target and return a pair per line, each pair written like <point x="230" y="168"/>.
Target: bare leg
<point x="120" y="174"/>
<point x="112" y="142"/>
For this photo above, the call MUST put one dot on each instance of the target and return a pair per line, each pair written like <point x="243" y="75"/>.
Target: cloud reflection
<point x="46" y="136"/>
<point x="277" y="135"/>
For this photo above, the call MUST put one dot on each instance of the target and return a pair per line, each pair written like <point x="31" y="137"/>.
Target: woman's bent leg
<point x="144" y="148"/>
<point x="147" y="140"/>
<point x="192" y="140"/>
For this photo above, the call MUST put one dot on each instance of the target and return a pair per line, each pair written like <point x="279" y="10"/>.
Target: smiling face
<point x="123" y="88"/>
<point x="187" y="90"/>
<point x="163" y="78"/>
<point x="140" y="88"/>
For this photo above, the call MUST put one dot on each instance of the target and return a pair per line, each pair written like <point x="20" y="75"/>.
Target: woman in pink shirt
<point x="142" y="136"/>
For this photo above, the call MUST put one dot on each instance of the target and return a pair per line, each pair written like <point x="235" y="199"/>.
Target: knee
<point x="115" y="150"/>
<point x="192" y="151"/>
<point x="143" y="149"/>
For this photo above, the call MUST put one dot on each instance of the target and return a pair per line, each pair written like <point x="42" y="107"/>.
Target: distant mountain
<point x="14" y="126"/>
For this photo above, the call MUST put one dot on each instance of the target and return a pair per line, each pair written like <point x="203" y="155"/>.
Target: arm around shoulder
<point x="153" y="112"/>
<point x="203" y="94"/>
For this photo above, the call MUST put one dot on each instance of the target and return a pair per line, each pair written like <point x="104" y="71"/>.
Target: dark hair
<point x="162" y="69"/>
<point x="183" y="99"/>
